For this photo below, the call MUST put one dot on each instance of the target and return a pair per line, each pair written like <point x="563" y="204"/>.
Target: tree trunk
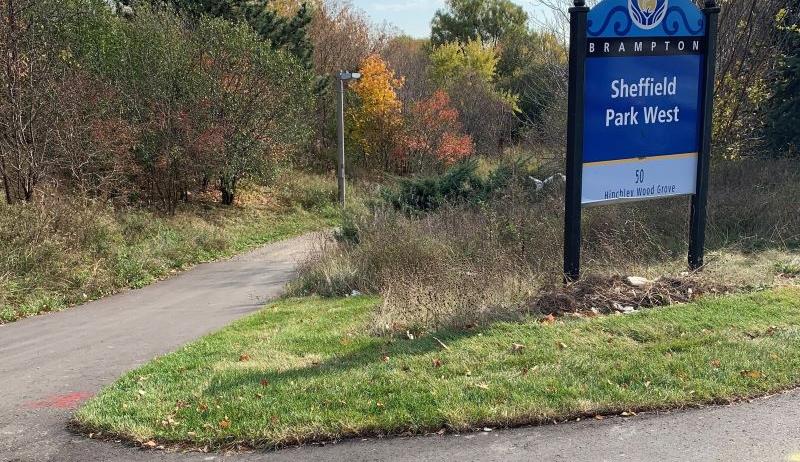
<point x="228" y="190"/>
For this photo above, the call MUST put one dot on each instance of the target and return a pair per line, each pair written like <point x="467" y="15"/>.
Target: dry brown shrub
<point x="469" y="264"/>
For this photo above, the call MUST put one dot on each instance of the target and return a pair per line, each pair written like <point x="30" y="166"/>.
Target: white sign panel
<point x="639" y="178"/>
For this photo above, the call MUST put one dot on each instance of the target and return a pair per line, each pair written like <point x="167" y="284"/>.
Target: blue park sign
<point x="642" y="99"/>
<point x="641" y="80"/>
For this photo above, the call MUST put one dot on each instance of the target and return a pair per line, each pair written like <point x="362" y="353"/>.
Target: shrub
<point x="484" y="244"/>
<point x="433" y="135"/>
<point x="461" y="183"/>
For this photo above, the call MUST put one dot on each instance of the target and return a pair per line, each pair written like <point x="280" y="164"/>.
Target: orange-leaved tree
<point x="376" y="120"/>
<point x="434" y="135"/>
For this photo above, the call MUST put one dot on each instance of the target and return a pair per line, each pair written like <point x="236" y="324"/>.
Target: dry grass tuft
<point x="471" y="263"/>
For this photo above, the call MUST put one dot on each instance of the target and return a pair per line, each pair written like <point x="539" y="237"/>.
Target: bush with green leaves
<point x="204" y="101"/>
<point x="460" y="184"/>
<point x="258" y="99"/>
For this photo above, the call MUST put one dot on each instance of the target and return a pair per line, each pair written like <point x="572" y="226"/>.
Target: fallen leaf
<point x="225" y="423"/>
<point x="517" y="347"/>
<point x="264" y="382"/>
<point x="715" y="363"/>
<point x="549" y="319"/>
<point x="244" y="357"/>
<point x="628" y="414"/>
<point x="191" y="434"/>
<point x="437" y="362"/>
<point x="752" y="374"/>
<point x="149" y="444"/>
<point x="202" y="407"/>
<point x="598" y="417"/>
<point x="561" y="345"/>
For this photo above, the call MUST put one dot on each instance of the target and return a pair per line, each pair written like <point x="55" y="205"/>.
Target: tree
<point x="410" y="58"/>
<point x="485" y="20"/>
<point x="468" y="73"/>
<point x="149" y="58"/>
<point x="268" y="18"/>
<point x="433" y="134"/>
<point x="343" y="38"/>
<point x="783" y="107"/>
<point x="533" y="66"/>
<point x="290" y="34"/>
<point x="452" y="61"/>
<point x="258" y="99"/>
<point x="747" y="51"/>
<point x="376" y="120"/>
<point x="30" y="74"/>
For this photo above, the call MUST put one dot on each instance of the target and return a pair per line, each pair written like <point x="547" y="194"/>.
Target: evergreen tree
<point x="783" y="110"/>
<point x="296" y="36"/>
<point x="290" y="34"/>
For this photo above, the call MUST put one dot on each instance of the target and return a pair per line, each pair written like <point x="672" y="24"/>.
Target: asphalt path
<point x="52" y="363"/>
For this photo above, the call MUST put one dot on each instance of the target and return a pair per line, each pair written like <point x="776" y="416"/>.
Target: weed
<point x="452" y="251"/>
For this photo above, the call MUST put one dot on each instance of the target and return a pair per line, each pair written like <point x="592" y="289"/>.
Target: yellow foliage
<point x="378" y="116"/>
<point x="453" y="60"/>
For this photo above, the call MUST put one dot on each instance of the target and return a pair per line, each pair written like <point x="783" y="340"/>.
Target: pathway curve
<point x="49" y="364"/>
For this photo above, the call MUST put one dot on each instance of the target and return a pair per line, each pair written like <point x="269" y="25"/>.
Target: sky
<point x="412" y="17"/>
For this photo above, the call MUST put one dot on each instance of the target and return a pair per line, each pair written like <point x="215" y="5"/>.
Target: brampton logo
<point x="647" y="14"/>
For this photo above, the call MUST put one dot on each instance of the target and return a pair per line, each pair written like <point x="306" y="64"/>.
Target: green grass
<point x="66" y="252"/>
<point x="307" y="369"/>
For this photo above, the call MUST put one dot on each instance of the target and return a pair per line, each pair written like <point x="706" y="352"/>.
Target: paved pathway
<point x="49" y="364"/>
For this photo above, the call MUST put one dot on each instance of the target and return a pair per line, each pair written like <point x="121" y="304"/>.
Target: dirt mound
<point x="604" y="295"/>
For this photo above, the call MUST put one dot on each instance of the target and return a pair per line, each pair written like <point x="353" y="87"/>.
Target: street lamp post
<point x="342" y="77"/>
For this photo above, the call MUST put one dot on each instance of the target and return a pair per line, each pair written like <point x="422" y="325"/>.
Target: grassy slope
<point x="305" y="369"/>
<point x="68" y="254"/>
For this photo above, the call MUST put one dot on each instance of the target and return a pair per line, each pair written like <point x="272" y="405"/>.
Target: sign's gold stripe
<point x="640" y="159"/>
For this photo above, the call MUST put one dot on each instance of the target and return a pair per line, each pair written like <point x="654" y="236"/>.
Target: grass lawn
<point x="307" y="369"/>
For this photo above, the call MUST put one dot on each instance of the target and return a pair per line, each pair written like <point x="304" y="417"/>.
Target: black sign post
<point x="697" y="226"/>
<point x="645" y="105"/>
<point x="577" y="70"/>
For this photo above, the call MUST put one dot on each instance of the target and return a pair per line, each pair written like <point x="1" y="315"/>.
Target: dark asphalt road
<point x="50" y="363"/>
